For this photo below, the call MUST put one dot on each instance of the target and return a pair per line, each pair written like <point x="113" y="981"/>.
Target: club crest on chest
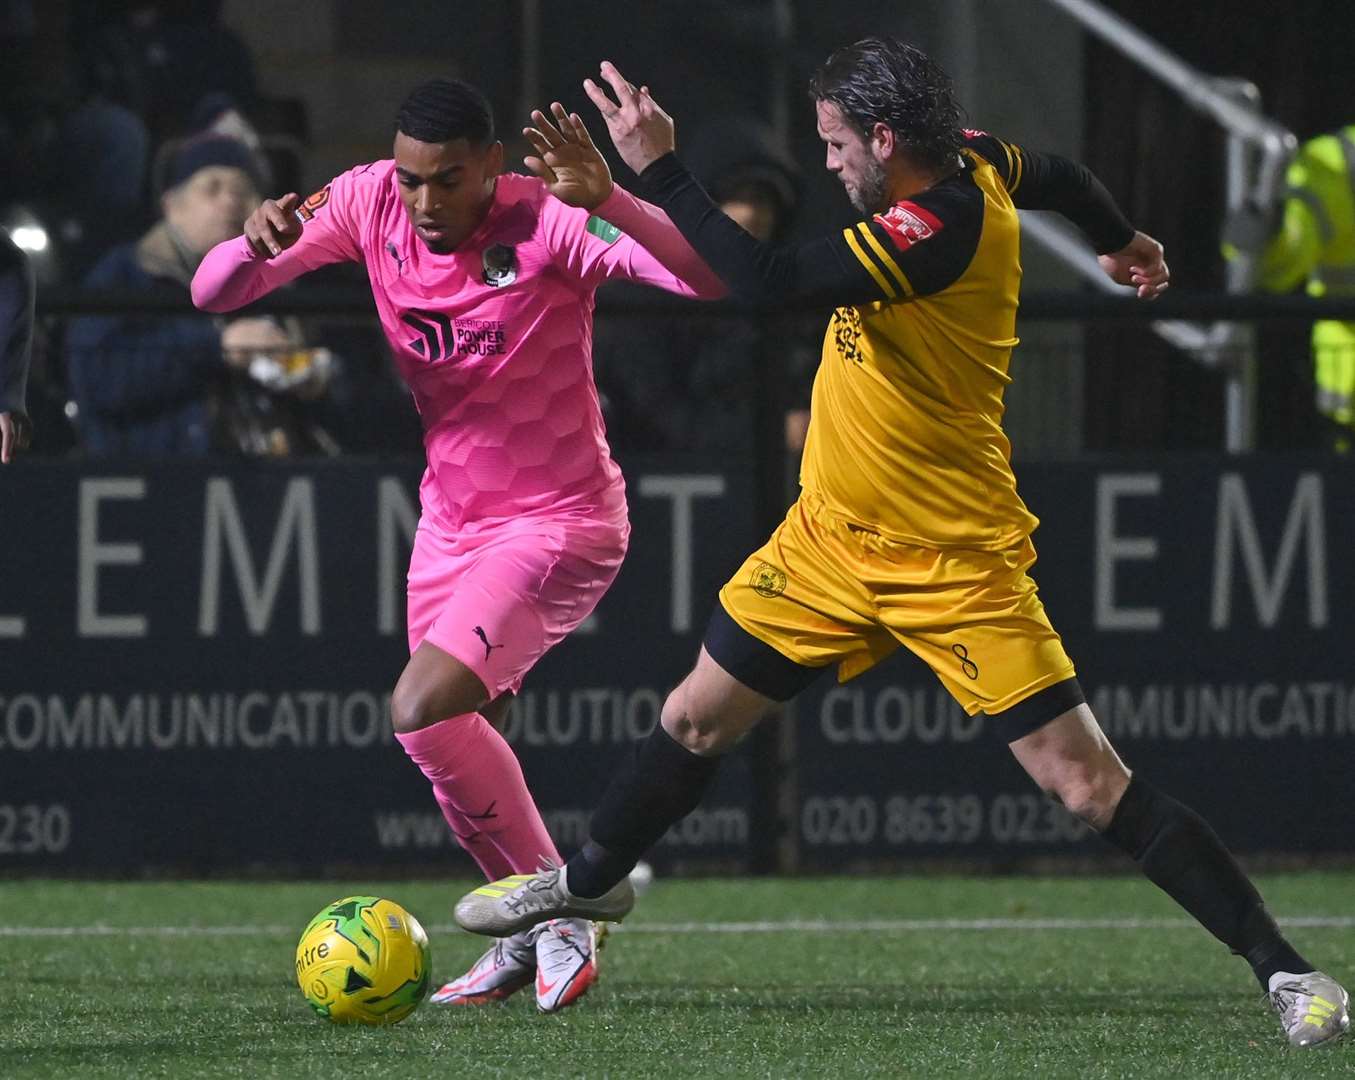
<point x="500" y="264"/>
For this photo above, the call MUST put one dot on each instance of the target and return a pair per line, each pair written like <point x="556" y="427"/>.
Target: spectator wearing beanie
<point x="144" y="385"/>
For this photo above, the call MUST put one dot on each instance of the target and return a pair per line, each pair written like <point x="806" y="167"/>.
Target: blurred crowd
<point x="135" y="138"/>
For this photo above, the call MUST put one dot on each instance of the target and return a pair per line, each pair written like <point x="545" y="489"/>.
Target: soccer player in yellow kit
<point x="909" y="529"/>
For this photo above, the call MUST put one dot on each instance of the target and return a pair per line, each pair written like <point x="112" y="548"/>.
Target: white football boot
<point x="1314" y="1008"/>
<point x="566" y="962"/>
<point x="508" y="966"/>
<point x="515" y="903"/>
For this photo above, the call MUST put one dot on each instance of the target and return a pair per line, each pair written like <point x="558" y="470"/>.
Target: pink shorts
<point x="498" y="599"/>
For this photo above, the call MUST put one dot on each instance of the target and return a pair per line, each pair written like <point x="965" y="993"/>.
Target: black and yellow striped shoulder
<point x="923" y="244"/>
<point x="1007" y="158"/>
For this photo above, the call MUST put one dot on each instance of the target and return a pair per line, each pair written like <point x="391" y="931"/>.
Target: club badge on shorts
<point x="500" y="264"/>
<point x="768" y="580"/>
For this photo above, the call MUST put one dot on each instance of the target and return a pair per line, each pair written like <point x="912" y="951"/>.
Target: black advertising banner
<point x="195" y="667"/>
<point x="195" y="662"/>
<point x="1207" y="604"/>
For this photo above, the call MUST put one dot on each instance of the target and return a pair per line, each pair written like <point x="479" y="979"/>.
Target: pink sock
<point x="475" y="773"/>
<point x="476" y="842"/>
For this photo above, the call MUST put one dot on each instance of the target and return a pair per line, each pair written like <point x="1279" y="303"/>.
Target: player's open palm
<point x="1139" y="263"/>
<point x="573" y="168"/>
<point x="640" y="129"/>
<point x="274" y="226"/>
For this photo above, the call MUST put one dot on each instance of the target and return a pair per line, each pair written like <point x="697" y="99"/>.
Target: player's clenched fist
<point x="274" y="226"/>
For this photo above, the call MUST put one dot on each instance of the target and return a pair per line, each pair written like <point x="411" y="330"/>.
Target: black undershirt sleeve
<point x="1049" y="182"/>
<point x="823" y="271"/>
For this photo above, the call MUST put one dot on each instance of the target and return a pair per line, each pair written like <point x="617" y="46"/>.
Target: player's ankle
<point x="1275" y="956"/>
<point x="592" y="870"/>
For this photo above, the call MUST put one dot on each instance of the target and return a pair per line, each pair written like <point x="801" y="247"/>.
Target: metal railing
<point x="753" y="366"/>
<point x="1257" y="153"/>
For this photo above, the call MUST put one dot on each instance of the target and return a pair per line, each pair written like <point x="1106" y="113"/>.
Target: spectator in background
<point x="103" y="81"/>
<point x="281" y="402"/>
<point x="758" y="185"/>
<point x="160" y="58"/>
<point x="694" y="384"/>
<point x="16" y="341"/>
<point x="1308" y="238"/>
<point x="219" y="114"/>
<point x="152" y="384"/>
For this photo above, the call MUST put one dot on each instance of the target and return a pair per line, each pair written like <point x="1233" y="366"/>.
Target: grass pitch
<point x="959" y="977"/>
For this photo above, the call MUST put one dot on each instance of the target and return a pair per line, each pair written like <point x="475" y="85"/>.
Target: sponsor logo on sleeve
<point x="307" y="209"/>
<point x="603" y="230"/>
<point x="908" y="224"/>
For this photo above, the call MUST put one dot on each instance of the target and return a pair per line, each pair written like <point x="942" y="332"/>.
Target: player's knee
<point x="698" y="734"/>
<point x="1090" y="795"/>
<point x="702" y="740"/>
<point x="410" y="710"/>
<point x="496" y="712"/>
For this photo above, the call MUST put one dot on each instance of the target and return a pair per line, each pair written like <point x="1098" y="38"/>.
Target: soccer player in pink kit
<point x="484" y="284"/>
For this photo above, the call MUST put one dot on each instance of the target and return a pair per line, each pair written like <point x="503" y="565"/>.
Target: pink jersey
<point x="494" y="338"/>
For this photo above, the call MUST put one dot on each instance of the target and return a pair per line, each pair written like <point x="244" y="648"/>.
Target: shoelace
<point x="521" y="952"/>
<point x="1286" y="998"/>
<point x="1283" y="997"/>
<point x="526" y="897"/>
<point x="563" y="941"/>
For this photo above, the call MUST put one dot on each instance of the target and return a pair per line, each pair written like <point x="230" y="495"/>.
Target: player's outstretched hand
<point x="274" y="226"/>
<point x="640" y="129"/>
<point x="15" y="432"/>
<point x="574" y="170"/>
<point x="1139" y="263"/>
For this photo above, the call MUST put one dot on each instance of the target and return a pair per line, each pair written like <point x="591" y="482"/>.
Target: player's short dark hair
<point x="886" y="81"/>
<point x="443" y="110"/>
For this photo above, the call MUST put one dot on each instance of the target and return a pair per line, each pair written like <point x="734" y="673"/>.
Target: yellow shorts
<point x="822" y="591"/>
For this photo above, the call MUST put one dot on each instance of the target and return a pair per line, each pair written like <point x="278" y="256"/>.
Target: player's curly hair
<point x="884" y="80"/>
<point x="442" y="110"/>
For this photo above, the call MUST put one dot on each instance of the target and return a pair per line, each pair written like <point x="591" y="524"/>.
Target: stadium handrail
<point x="1043" y="305"/>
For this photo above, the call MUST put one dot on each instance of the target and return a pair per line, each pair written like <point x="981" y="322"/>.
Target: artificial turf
<point x="195" y="979"/>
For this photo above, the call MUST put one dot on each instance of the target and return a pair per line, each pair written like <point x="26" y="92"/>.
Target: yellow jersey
<point x="905" y="433"/>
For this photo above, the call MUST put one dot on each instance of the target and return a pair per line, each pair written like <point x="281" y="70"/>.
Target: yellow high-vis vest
<point x="1316" y="242"/>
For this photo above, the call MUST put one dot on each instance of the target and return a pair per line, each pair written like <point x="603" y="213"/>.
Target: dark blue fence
<point x="195" y="658"/>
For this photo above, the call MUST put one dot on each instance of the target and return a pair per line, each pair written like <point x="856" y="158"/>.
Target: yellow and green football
<point x="363" y="960"/>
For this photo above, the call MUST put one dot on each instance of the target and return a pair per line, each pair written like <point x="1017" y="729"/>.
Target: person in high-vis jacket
<point x="1312" y="239"/>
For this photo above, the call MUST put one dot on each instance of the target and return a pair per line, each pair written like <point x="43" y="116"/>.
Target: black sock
<point x="657" y="787"/>
<point x="1180" y="854"/>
